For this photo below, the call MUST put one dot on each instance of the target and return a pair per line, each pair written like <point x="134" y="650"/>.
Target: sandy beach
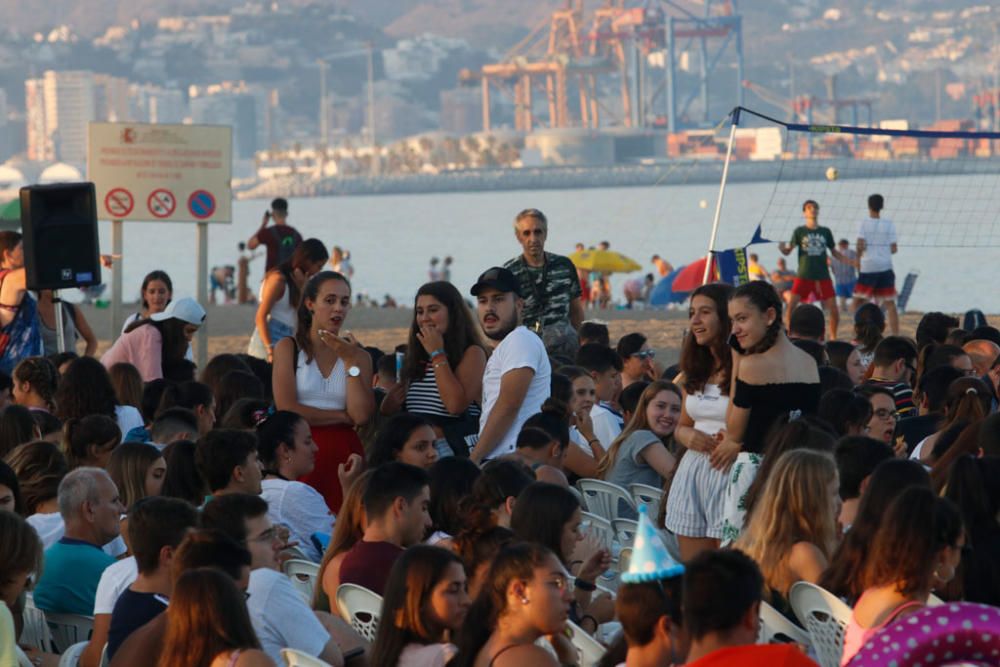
<point x="230" y="327"/>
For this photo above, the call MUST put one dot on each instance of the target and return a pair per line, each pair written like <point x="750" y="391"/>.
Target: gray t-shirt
<point x="629" y="468"/>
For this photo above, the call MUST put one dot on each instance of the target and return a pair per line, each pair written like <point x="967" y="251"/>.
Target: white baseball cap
<point x="186" y="309"/>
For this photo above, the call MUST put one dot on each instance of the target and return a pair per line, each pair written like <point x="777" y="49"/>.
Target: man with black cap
<point x="517" y="376"/>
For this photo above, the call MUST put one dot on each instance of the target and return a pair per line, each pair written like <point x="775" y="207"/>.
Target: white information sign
<point x="168" y="173"/>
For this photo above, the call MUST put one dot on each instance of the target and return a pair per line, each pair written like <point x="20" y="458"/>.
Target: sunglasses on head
<point x="646" y="354"/>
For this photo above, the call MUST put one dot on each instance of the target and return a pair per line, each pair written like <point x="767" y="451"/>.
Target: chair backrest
<point x="36" y="631"/>
<point x="824" y="617"/>
<point x="361" y="608"/>
<point x="71" y="656"/>
<point x="599" y="525"/>
<point x="624" y="559"/>
<point x="934" y="601"/>
<point x="304" y="575"/>
<point x="68" y="629"/>
<point x="646" y="495"/>
<point x="591" y="650"/>
<point x="604" y="498"/>
<point x="625" y="530"/>
<point x="296" y="658"/>
<point x="776" y="629"/>
<point x="104" y="656"/>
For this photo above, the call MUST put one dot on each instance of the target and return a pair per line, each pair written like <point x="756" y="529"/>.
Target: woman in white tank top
<point x="279" y="297"/>
<point x="326" y="377"/>
<point x="695" y="504"/>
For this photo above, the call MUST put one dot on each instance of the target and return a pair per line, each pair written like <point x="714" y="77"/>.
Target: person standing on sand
<point x="552" y="305"/>
<point x="813" y="277"/>
<point x="782" y="279"/>
<point x="280" y="239"/>
<point x="876" y="246"/>
<point x="663" y="267"/>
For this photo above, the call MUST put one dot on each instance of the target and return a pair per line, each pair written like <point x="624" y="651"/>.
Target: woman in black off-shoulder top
<point x="771" y="378"/>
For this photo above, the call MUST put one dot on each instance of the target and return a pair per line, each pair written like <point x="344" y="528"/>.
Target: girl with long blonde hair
<point x="792" y="529"/>
<point x="644" y="452"/>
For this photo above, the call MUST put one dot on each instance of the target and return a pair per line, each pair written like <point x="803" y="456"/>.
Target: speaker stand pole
<point x="60" y="333"/>
<point x="203" y="292"/>
<point x="117" y="232"/>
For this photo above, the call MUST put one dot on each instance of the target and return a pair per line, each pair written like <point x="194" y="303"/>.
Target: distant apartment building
<point x="461" y="110"/>
<point x="59" y="105"/>
<point x="153" y="104"/>
<point x="229" y="104"/>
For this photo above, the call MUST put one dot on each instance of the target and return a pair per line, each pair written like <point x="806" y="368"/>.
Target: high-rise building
<point x="229" y="104"/>
<point x="59" y="106"/>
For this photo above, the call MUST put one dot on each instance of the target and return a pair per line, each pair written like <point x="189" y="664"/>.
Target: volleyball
<point x="832" y="173"/>
<point x="703" y="203"/>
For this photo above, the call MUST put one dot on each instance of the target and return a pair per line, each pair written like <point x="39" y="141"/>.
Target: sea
<point x="391" y="238"/>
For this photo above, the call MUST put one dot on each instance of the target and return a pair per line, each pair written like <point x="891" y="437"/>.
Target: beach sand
<point x="230" y="326"/>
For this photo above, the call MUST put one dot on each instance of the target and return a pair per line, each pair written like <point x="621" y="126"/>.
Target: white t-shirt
<point x="519" y="349"/>
<point x="128" y="418"/>
<point x="878" y="234"/>
<point x="51" y="527"/>
<point x="281" y="618"/>
<point x="114" y="580"/>
<point x="426" y="655"/>
<point x="301" y="508"/>
<point x="607" y="425"/>
<point x="577" y="439"/>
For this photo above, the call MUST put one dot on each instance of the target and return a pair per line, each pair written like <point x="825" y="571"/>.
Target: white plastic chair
<point x="591" y="650"/>
<point x="35" y="632"/>
<point x="68" y="629"/>
<point x="824" y="617"/>
<point x="296" y="658"/>
<point x="776" y="629"/>
<point x="624" y="560"/>
<point x="604" y="498"/>
<point x="624" y="530"/>
<point x="934" y="601"/>
<point x="303" y="574"/>
<point x="646" y="495"/>
<point x="601" y="526"/>
<point x="361" y="608"/>
<point x="71" y="656"/>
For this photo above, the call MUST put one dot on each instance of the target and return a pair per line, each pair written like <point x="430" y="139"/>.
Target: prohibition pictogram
<point x="119" y="202"/>
<point x="161" y="203"/>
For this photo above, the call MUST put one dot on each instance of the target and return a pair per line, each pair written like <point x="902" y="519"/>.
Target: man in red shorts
<point x="813" y="277"/>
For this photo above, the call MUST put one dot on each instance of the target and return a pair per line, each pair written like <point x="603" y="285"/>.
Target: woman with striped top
<point x="442" y="374"/>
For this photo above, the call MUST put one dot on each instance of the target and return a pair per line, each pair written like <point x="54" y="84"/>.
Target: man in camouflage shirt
<point x="549" y="285"/>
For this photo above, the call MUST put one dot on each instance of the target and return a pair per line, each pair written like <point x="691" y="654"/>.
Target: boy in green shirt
<point x="813" y="277"/>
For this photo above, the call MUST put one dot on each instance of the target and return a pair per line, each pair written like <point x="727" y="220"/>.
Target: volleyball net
<point x="941" y="185"/>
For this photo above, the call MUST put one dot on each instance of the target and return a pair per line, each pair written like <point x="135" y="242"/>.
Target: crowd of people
<point x="161" y="499"/>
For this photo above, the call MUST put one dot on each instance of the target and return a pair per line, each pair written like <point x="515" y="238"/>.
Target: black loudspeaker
<point x="61" y="248"/>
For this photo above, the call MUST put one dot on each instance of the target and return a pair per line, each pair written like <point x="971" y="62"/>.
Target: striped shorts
<point x="695" y="504"/>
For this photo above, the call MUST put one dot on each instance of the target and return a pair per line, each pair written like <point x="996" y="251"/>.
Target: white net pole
<point x="722" y="193"/>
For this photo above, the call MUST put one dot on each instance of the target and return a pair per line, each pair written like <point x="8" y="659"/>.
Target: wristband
<point x="586" y="586"/>
<point x="437" y="352"/>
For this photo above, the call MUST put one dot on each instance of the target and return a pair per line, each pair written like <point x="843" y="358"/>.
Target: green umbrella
<point x="11" y="211"/>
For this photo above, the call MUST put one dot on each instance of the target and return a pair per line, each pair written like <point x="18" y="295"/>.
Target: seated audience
<point x="425" y="605"/>
<point x="396" y="509"/>
<point x="228" y="462"/>
<point x="722" y="596"/>
<point x="90" y="509"/>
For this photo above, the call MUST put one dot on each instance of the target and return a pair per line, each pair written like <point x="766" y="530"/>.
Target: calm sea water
<point x="392" y="237"/>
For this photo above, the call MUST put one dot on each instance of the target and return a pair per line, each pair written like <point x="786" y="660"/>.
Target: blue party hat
<point x="650" y="559"/>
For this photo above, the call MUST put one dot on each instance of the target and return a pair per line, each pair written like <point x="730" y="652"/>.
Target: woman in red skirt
<point x="326" y="378"/>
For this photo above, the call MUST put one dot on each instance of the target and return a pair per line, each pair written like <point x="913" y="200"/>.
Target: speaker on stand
<point x="61" y="246"/>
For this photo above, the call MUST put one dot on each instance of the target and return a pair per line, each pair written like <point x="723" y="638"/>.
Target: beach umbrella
<point x="692" y="276"/>
<point x="11" y="211"/>
<point x="663" y="293"/>
<point x="604" y="261"/>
